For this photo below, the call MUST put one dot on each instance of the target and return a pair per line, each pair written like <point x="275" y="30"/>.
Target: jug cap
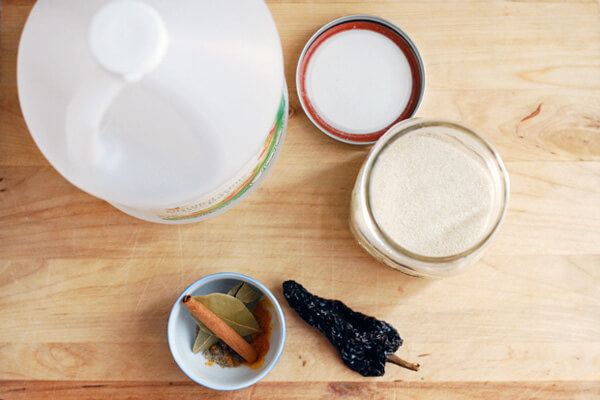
<point x="359" y="75"/>
<point x="145" y="33"/>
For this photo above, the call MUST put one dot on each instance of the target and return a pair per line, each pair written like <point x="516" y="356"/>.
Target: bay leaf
<point x="204" y="337"/>
<point x="246" y="293"/>
<point x="203" y="341"/>
<point x="231" y="310"/>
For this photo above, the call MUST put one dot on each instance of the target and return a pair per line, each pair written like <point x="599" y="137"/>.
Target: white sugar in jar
<point x="429" y="198"/>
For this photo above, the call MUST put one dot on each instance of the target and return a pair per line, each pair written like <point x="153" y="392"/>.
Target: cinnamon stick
<point x="220" y="329"/>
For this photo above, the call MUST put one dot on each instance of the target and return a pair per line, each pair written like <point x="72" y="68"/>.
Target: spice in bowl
<point x="231" y="329"/>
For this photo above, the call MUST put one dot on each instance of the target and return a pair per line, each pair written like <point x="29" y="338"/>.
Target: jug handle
<point x="84" y="115"/>
<point x="127" y="39"/>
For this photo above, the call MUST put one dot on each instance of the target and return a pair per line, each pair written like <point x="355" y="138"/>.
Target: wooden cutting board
<point x="85" y="290"/>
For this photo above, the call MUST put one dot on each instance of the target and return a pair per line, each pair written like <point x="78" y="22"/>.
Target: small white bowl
<point x="181" y="332"/>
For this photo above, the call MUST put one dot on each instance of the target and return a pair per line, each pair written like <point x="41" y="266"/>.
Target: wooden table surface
<point x="85" y="291"/>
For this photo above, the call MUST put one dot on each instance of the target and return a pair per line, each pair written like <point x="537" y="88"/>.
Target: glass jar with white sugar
<point x="429" y="198"/>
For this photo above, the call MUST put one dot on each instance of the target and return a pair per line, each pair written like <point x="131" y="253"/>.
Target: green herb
<point x="204" y="340"/>
<point x="245" y="293"/>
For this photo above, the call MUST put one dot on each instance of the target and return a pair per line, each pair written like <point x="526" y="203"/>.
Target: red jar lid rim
<point x="379" y="26"/>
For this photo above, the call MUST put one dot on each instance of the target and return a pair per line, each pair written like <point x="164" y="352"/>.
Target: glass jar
<point x="372" y="237"/>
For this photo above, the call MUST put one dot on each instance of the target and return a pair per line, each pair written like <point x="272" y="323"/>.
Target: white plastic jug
<point x="172" y="111"/>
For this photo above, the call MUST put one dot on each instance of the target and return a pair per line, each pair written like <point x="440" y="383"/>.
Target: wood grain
<point x="66" y="390"/>
<point x="302" y="209"/>
<point x="524" y="323"/>
<point x="541" y="322"/>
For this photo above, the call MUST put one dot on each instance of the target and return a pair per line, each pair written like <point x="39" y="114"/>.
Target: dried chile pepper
<point x="364" y="343"/>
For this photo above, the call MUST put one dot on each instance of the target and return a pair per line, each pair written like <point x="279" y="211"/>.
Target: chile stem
<point x="394" y="359"/>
